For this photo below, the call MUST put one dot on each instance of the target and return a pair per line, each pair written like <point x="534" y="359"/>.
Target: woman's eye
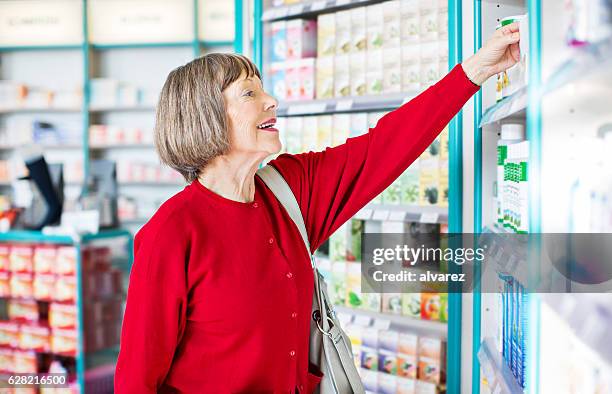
<point x="249" y="93"/>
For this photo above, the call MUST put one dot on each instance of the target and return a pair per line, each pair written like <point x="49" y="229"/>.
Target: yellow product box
<point x="324" y="131"/>
<point x="358" y="29"/>
<point x="429" y="182"/>
<point x="325" y="77"/>
<point x="411" y="68"/>
<point x="343" y="32"/>
<point x="326" y="35"/>
<point x="374" y="72"/>
<point x="392" y="24"/>
<point x="443" y="138"/>
<point x="342" y="77"/>
<point x="358" y="73"/>
<point x="410" y="21"/>
<point x="309" y="133"/>
<point x="429" y="67"/>
<point x="392" y="79"/>
<point x="341" y="128"/>
<point x="375" y="26"/>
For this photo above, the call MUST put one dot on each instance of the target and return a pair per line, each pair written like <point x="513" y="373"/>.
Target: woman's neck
<point x="231" y="177"/>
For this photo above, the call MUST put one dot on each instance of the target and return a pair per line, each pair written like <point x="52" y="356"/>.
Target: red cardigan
<point x="220" y="291"/>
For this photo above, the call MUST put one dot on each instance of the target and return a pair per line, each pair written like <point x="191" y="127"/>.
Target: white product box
<point x="411" y="68"/>
<point x="358" y="29"/>
<point x="392" y="24"/>
<point x="306" y="75"/>
<point x="341" y="128"/>
<point x="278" y="45"/>
<point x="443" y="20"/>
<point x="277" y="85"/>
<point x="392" y="79"/>
<point x="342" y="79"/>
<point x="325" y="77"/>
<point x="374" y="26"/>
<point x="374" y="72"/>
<point x="301" y="39"/>
<point x="294" y="134"/>
<point x="429" y="63"/>
<point x="410" y="21"/>
<point x="442" y="58"/>
<point x="358" y="73"/>
<point x="292" y="80"/>
<point x="309" y="133"/>
<point x="343" y="32"/>
<point x="428" y="10"/>
<point x="359" y="124"/>
<point x="325" y="125"/>
<point x="326" y="35"/>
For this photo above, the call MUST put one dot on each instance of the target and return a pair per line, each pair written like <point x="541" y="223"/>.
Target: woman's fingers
<point x="511" y="28"/>
<point x="515" y="52"/>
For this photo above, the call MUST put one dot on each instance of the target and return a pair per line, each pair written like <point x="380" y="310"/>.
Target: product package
<point x="326" y="35"/>
<point x="358" y="29"/>
<point x="324" y="131"/>
<point x="5" y="284"/>
<point x="411" y="68"/>
<point x="392" y="303"/>
<point x="388" y="340"/>
<point x="278" y="44"/>
<point x="21" y="285"/>
<point x="411" y="305"/>
<point x="407" y="366"/>
<point x="357" y="72"/>
<point x="277" y="80"/>
<point x="387" y="362"/>
<point x="338" y="284"/>
<point x="392" y="79"/>
<point x="410" y="21"/>
<point x="392" y="24"/>
<point x="63" y="315"/>
<point x="353" y="285"/>
<point x="429" y="19"/>
<point x="354" y="246"/>
<point x="9" y="334"/>
<point x="64" y="341"/>
<point x="369" y="379"/>
<point x="429" y="370"/>
<point x="23" y="310"/>
<point x="372" y="302"/>
<point x="359" y="124"/>
<point x="21" y="258"/>
<point x="406" y="386"/>
<point x="369" y="358"/>
<point x="44" y="259"/>
<point x="301" y="38"/>
<point x="443" y="185"/>
<point x="309" y="134"/>
<point x="407" y="343"/>
<point x="430" y="306"/>
<point x="392" y="194"/>
<point x="66" y="260"/>
<point x="343" y="32"/>
<point x="5" y="254"/>
<point x="33" y="337"/>
<point x="65" y="289"/>
<point x="374" y="72"/>
<point x="25" y="362"/>
<point x="342" y="77"/>
<point x="43" y="287"/>
<point x="375" y="26"/>
<point x="325" y="77"/>
<point x="387" y="383"/>
<point x="294" y="134"/>
<point x="409" y="184"/>
<point x="430" y="64"/>
<point x="292" y="80"/>
<point x="307" y="75"/>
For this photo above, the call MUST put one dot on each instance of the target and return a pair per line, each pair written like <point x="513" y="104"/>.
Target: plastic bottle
<point x="511" y="133"/>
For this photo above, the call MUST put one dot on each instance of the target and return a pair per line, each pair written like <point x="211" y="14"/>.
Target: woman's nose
<point x="271" y="103"/>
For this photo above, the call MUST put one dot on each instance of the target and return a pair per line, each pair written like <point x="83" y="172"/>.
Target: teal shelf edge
<point x="206" y="43"/>
<point x="19" y="48"/>
<point x="145" y="45"/>
<point x="39" y="237"/>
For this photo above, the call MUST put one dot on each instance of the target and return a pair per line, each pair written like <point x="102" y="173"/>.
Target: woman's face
<point x="251" y="116"/>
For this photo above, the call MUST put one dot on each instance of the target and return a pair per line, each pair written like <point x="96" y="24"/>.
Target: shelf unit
<point x="84" y="361"/>
<point x="453" y="214"/>
<point x="96" y="59"/>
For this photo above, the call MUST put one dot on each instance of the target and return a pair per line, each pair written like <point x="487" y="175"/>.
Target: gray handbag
<point x="330" y="349"/>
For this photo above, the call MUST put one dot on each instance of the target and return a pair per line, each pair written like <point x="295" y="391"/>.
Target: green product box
<point x="411" y="305"/>
<point x="444" y="307"/>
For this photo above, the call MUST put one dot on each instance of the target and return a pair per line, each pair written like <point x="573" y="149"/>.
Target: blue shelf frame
<point x="534" y="135"/>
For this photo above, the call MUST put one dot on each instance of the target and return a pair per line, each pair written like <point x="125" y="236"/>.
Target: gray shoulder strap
<point x="277" y="184"/>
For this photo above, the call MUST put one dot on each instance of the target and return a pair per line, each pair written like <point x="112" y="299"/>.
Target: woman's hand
<point x="499" y="53"/>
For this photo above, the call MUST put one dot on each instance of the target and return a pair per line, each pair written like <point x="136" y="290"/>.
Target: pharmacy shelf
<point x="585" y="61"/>
<point x="20" y="48"/>
<point x="497" y="372"/>
<point x="136" y="108"/>
<point x="44" y="146"/>
<point x="122" y="146"/>
<point x="430" y="328"/>
<point x="150" y="184"/>
<point x="344" y="105"/>
<point x="38" y="237"/>
<point x="407" y="213"/>
<point x="511" y="107"/>
<point x="136" y="45"/>
<point x="588" y="316"/>
<point x="26" y="110"/>
<point x="311" y="9"/>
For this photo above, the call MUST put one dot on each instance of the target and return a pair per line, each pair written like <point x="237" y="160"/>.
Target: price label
<point x="380" y="214"/>
<point x="304" y="109"/>
<point x="397" y="216"/>
<point x="344" y="105"/>
<point x="318" y="5"/>
<point x="429" y="217"/>
<point x="382" y="324"/>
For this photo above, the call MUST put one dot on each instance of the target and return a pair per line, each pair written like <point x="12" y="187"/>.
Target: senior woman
<point x="221" y="288"/>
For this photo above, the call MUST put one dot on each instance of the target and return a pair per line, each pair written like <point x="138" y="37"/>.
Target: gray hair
<point x="191" y="126"/>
